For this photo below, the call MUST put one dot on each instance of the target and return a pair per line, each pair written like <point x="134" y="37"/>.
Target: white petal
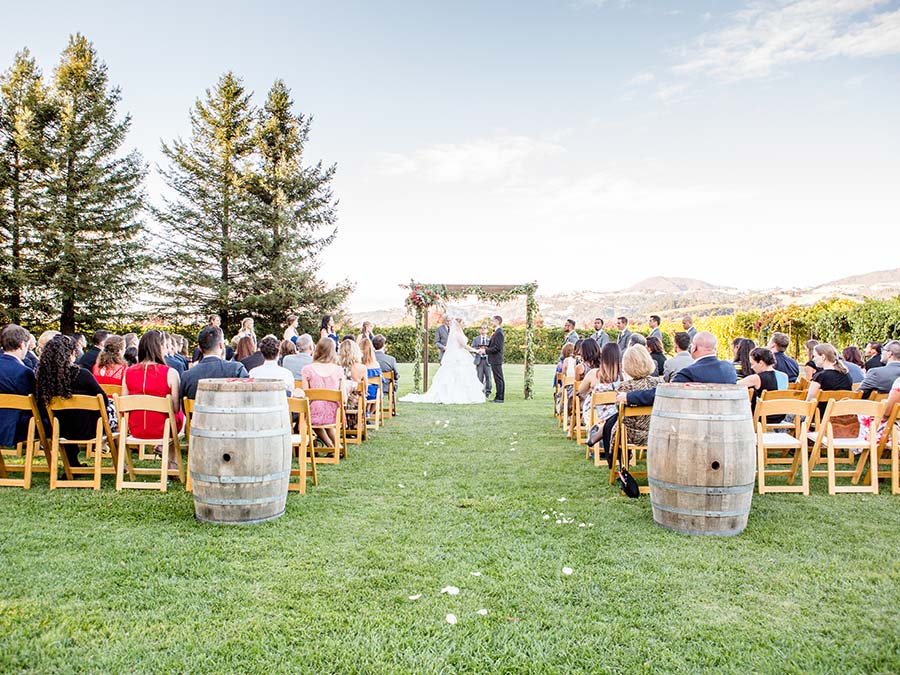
<point x="546" y="516"/>
<point x="446" y="421"/>
<point x="400" y="485"/>
<point x="451" y="619"/>
<point x="482" y="612"/>
<point x="415" y="597"/>
<point x="580" y="524"/>
<point x="558" y="521"/>
<point x="567" y="571"/>
<point x="425" y="474"/>
<point x="475" y="574"/>
<point x="450" y="590"/>
<point x="561" y="499"/>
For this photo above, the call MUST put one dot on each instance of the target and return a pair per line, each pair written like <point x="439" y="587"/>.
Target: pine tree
<point x="92" y="254"/>
<point x="25" y="116"/>
<point x="294" y="217"/>
<point x="206" y="226"/>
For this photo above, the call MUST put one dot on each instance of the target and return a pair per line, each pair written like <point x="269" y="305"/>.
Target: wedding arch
<point x="423" y="297"/>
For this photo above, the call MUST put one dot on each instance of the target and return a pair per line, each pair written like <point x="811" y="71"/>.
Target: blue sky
<point x="585" y="145"/>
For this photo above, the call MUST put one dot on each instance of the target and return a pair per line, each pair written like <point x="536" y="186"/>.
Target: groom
<point x="494" y="351"/>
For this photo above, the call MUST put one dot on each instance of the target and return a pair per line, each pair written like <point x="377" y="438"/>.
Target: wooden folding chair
<point x="187" y="405"/>
<point x="376" y="421"/>
<point x="35" y="438"/>
<point x="834" y="395"/>
<point x="824" y="435"/>
<point x="302" y="442"/>
<point x="622" y="449"/>
<point x="566" y="403"/>
<point x="597" y="398"/>
<point x="781" y="394"/>
<point x="170" y="442"/>
<point x="112" y="389"/>
<point x="882" y="452"/>
<point x="557" y="404"/>
<point x="770" y="442"/>
<point x="390" y="399"/>
<point x="103" y="434"/>
<point x="358" y="435"/>
<point x="332" y="455"/>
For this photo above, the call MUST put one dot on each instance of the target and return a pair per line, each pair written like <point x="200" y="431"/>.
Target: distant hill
<point x="668" y="285"/>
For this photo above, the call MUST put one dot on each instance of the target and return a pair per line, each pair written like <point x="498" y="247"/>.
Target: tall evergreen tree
<point x="294" y="216"/>
<point x="25" y="116"/>
<point x="91" y="252"/>
<point x="206" y="225"/>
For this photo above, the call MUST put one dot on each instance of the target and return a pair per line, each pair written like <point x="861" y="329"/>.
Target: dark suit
<point x="706" y="369"/>
<point x="874" y="362"/>
<point x="482" y="367"/>
<point x="441" y="335"/>
<point x="89" y="358"/>
<point x="15" y="378"/>
<point x="623" y="340"/>
<point x="31" y="360"/>
<point x="209" y="367"/>
<point x="494" y="351"/>
<point x="786" y="365"/>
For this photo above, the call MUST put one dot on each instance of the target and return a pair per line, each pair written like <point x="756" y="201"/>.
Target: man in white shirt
<point x="270" y="370"/>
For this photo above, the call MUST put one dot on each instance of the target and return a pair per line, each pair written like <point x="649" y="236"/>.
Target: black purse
<point x="628" y="484"/>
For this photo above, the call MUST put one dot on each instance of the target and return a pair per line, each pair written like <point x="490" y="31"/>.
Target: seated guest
<point x="588" y="352"/>
<point x="881" y="379"/>
<point x="809" y="368"/>
<point x="607" y="376"/>
<point x="110" y="366"/>
<point x="152" y="377"/>
<point x="31" y="359"/>
<point x="290" y="333"/>
<point x="350" y="358"/>
<point x="43" y="339"/>
<point x="779" y="344"/>
<point x="637" y="339"/>
<point x="831" y="375"/>
<point x="639" y="378"/>
<point x="270" y="370"/>
<point x="742" y="365"/>
<point x="247" y="353"/>
<point x="302" y="357"/>
<point x="80" y="345"/>
<point x="170" y="349"/>
<point x="867" y="423"/>
<point x="387" y="362"/>
<point x="58" y="376"/>
<point x="15" y="378"/>
<point x="184" y="352"/>
<point x="131" y="345"/>
<point x="89" y="358"/>
<point x="324" y="373"/>
<point x="655" y="347"/>
<point x="212" y="345"/>
<point x="764" y="376"/>
<point x="373" y="369"/>
<point x="873" y="355"/>
<point x="853" y="361"/>
<point x="213" y="320"/>
<point x="566" y="368"/>
<point x="706" y="368"/>
<point x="682" y="356"/>
<point x="286" y="348"/>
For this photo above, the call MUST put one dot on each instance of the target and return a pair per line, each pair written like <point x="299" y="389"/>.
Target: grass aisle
<point x="107" y="582"/>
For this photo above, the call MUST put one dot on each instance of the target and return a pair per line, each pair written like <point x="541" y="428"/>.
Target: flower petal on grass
<point x="415" y="597"/>
<point x="451" y="619"/>
<point x="475" y="574"/>
<point x="400" y="485"/>
<point x="561" y="499"/>
<point x="567" y="571"/>
<point x="546" y="516"/>
<point x="482" y="612"/>
<point x="450" y="590"/>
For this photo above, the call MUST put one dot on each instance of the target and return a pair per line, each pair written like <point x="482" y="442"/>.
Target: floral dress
<point x="352" y="401"/>
<point x="637" y="427"/>
<point x="601" y="412"/>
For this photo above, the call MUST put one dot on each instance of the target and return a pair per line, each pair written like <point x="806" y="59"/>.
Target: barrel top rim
<point x="239" y="384"/>
<point x="700" y="386"/>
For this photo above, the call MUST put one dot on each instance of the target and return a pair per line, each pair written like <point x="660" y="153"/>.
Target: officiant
<point x="481" y="363"/>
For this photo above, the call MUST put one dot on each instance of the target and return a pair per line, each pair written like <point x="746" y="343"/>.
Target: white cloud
<point x="769" y="34"/>
<point x="478" y="160"/>
<point x="671" y="92"/>
<point x="642" y="78"/>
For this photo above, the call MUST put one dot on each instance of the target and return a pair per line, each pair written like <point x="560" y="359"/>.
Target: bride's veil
<point x="456" y="339"/>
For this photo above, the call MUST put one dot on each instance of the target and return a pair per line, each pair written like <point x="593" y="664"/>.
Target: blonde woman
<point x="373" y="369"/>
<point x="247" y="330"/>
<point x="44" y="338"/>
<point x="323" y="373"/>
<point x="350" y="359"/>
<point x="638" y="369"/>
<point x="290" y="333"/>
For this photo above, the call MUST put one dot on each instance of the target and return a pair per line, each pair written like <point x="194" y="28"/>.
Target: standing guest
<point x="43" y="339"/>
<point x="247" y="354"/>
<point x="80" y="345"/>
<point x="763" y="378"/>
<point x="58" y="376"/>
<point x="270" y="370"/>
<point x="324" y="373"/>
<point x="682" y="356"/>
<point x="881" y="379"/>
<point x="571" y="334"/>
<point x="211" y="342"/>
<point x="479" y="343"/>
<point x="687" y="322"/>
<point x="624" y="338"/>
<point x="853" y="361"/>
<point x="831" y="375"/>
<point x="494" y="351"/>
<point x="303" y="357"/>
<point x="441" y="335"/>
<point x="873" y="355"/>
<point x="373" y="369"/>
<point x="742" y="365"/>
<point x="152" y="377"/>
<point x="110" y="366"/>
<point x="290" y="333"/>
<point x="89" y="358"/>
<point x="247" y="330"/>
<point x="654" y="328"/>
<point x="779" y="344"/>
<point x="607" y="376"/>
<point x="15" y="378"/>
<point x="655" y="347"/>
<point x="367" y="329"/>
<point x="387" y="362"/>
<point x="327" y="330"/>
<point x="809" y="368"/>
<point x="350" y="359"/>
<point x="600" y="335"/>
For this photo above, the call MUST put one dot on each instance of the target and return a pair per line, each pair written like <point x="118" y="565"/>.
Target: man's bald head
<point x="704" y="344"/>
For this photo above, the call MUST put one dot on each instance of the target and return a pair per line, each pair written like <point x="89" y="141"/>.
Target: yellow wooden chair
<point x="358" y="434"/>
<point x="597" y="398"/>
<point x="103" y="435"/>
<point x="624" y="453"/>
<point x="332" y="455"/>
<point x="187" y="404"/>
<point x="374" y="419"/>
<point x="170" y="442"/>
<point x="302" y="442"/>
<point x="834" y="395"/>
<point x="557" y="408"/>
<point x="824" y="436"/>
<point x="566" y="404"/>
<point x="884" y="451"/>
<point x="112" y="389"/>
<point x="389" y="404"/>
<point x="774" y="448"/>
<point x="35" y="439"/>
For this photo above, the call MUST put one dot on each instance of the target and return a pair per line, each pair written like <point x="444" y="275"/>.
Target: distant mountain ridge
<point x="670" y="297"/>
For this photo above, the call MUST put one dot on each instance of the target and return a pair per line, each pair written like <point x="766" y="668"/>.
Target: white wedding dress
<point x="456" y="381"/>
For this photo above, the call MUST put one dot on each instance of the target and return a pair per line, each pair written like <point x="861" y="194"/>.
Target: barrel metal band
<point x="697" y="416"/>
<point x="259" y="433"/>
<point x="707" y="394"/>
<point x="216" y="410"/>
<point x="234" y="480"/>
<point x="700" y="512"/>
<point x="237" y="502"/>
<point x="702" y="489"/>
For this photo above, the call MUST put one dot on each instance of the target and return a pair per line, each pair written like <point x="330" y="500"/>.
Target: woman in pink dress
<point x="323" y="373"/>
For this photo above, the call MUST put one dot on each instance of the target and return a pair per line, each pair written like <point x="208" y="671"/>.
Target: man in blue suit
<point x="212" y="345"/>
<point x="706" y="368"/>
<point x="15" y="378"/>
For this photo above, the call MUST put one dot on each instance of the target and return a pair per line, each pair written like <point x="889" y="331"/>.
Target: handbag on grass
<point x="628" y="484"/>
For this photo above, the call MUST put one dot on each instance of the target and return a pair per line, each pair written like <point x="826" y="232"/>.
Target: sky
<point x="582" y="144"/>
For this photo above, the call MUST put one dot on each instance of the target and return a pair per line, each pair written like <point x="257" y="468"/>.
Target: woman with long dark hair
<point x="58" y="376"/>
<point x="607" y="376"/>
<point x="655" y="347"/>
<point x="742" y="362"/>
<point x="327" y="330"/>
<point x="854" y="362"/>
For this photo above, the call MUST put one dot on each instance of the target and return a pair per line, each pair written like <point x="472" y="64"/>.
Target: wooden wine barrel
<point x="701" y="458"/>
<point x="240" y="456"/>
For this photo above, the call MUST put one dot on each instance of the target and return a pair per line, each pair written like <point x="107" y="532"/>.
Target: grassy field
<point x="129" y="582"/>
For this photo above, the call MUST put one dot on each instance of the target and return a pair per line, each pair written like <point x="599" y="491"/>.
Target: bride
<point x="456" y="381"/>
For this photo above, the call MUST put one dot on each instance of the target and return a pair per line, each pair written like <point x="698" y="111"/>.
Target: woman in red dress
<point x="110" y="366"/>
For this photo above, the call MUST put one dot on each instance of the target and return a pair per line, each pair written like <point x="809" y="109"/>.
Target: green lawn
<point x="128" y="582"/>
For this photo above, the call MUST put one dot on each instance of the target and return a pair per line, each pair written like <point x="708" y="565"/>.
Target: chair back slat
<point x="774" y="394"/>
<point x="143" y="402"/>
